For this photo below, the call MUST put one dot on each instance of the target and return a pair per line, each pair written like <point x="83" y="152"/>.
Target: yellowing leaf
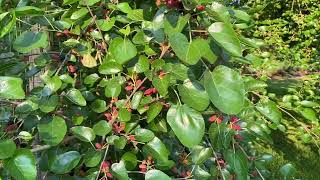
<point x="89" y="61"/>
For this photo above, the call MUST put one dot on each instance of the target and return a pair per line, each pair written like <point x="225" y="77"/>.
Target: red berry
<point x="105" y="164"/>
<point x="235" y="127"/>
<point x="238" y="137"/>
<point x="138" y="82"/>
<point x="132" y="138"/>
<point x="72" y="69"/>
<point x="162" y="74"/>
<point x="55" y="56"/>
<point x="234" y="119"/>
<point x="142" y="88"/>
<point x="148" y="92"/>
<point x="200" y="7"/>
<point x="66" y="32"/>
<point x="143" y="167"/>
<point x="216" y="119"/>
<point x="128" y="88"/>
<point x="109" y="175"/>
<point x="98" y="145"/>
<point x="108" y="116"/>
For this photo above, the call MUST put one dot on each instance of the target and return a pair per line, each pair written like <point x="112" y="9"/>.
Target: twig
<point x="104" y="157"/>
<point x="95" y="21"/>
<point x="215" y="155"/>
<point x="40" y="148"/>
<point x="134" y="91"/>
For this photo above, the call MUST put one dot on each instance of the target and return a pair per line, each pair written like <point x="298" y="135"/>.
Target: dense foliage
<point x="157" y="89"/>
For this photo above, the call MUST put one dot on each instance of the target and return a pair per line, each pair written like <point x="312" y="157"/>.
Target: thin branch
<point x="134" y="91"/>
<point x="104" y="157"/>
<point x="40" y="148"/>
<point x="95" y="21"/>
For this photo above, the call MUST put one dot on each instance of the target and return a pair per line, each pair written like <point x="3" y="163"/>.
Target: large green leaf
<point x="200" y="154"/>
<point x="156" y="149"/>
<point x="188" y="52"/>
<point x="194" y="95"/>
<point x="154" y="111"/>
<point x="7" y="148"/>
<point x="110" y="67"/>
<point x="8" y="20"/>
<point x="92" y="158"/>
<point x="238" y="162"/>
<point x="22" y="166"/>
<point x="49" y="104"/>
<point x="119" y="170"/>
<point x="187" y="124"/>
<point x="64" y="163"/>
<point x="102" y="128"/>
<point x="79" y="13"/>
<point x="75" y="96"/>
<point x="270" y="110"/>
<point x="11" y="88"/>
<point x="28" y="41"/>
<point x="83" y="133"/>
<point x="28" y="11"/>
<point x="52" y="132"/>
<point x="225" y="88"/>
<point x="122" y="50"/>
<point x="226" y="37"/>
<point x="155" y="174"/>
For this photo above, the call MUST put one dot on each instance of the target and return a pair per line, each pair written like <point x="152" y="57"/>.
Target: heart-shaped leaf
<point x="75" y="96"/>
<point x="102" y="128"/>
<point x="11" y="88"/>
<point x="7" y="148"/>
<point x="83" y="133"/>
<point x="187" y="124"/>
<point x="122" y="50"/>
<point x="156" y="149"/>
<point x="226" y="37"/>
<point x="155" y="174"/>
<point x="22" y="166"/>
<point x="64" y="163"/>
<point x="194" y="95"/>
<point x="119" y="170"/>
<point x="225" y="88"/>
<point x="143" y="135"/>
<point x="28" y="41"/>
<point x="53" y="131"/>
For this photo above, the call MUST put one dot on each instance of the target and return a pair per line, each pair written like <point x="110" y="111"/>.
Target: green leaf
<point x="49" y="104"/>
<point x="28" y="11"/>
<point x="309" y="114"/>
<point x="155" y="174"/>
<point x="194" y="95"/>
<point x="79" y="13"/>
<point x="161" y="84"/>
<point x="154" y="111"/>
<point x="91" y="79"/>
<point x="102" y="128"/>
<point x="119" y="170"/>
<point x="200" y="154"/>
<point x="219" y="12"/>
<point x="143" y="135"/>
<point x="83" y="133"/>
<point x="53" y="84"/>
<point x="124" y="115"/>
<point x="75" y="96"/>
<point x="53" y="131"/>
<point x="122" y="50"/>
<point x="225" y="88"/>
<point x="287" y="170"/>
<point x="110" y="67"/>
<point x="188" y="52"/>
<point x="136" y="15"/>
<point x="92" y="158"/>
<point x="187" y="124"/>
<point x="64" y="163"/>
<point x="175" y="23"/>
<point x="89" y="2"/>
<point x="8" y="21"/>
<point x="7" y="148"/>
<point x="27" y="41"/>
<point x="130" y="160"/>
<point x="66" y="2"/>
<point x="142" y="65"/>
<point x="106" y="25"/>
<point x="22" y="166"/>
<point x="11" y="88"/>
<point x="136" y="98"/>
<point x="270" y="110"/>
<point x="156" y="149"/>
<point x="201" y="173"/>
<point x="99" y="106"/>
<point x="238" y="162"/>
<point x="113" y="88"/>
<point x="226" y="37"/>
